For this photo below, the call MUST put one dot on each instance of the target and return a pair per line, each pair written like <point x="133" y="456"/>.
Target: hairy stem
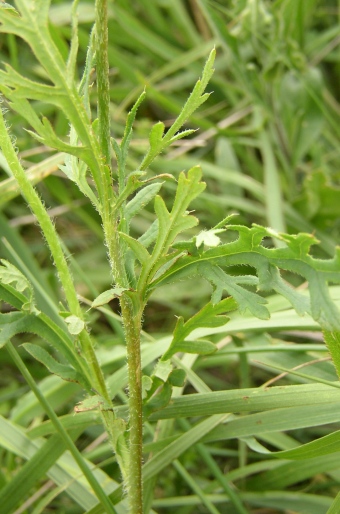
<point x="51" y="236"/>
<point x="132" y="324"/>
<point x="38" y="209"/>
<point x="103" y="87"/>
<point x="131" y="314"/>
<point x="131" y="318"/>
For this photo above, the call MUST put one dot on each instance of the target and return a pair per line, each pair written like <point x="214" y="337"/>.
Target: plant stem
<point x="101" y="495"/>
<point x="103" y="86"/>
<point x="51" y="236"/>
<point x="43" y="218"/>
<point x="132" y="324"/>
<point x="131" y="318"/>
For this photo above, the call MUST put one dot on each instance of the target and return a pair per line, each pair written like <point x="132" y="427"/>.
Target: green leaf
<point x="195" y="99"/>
<point x="9" y="8"/>
<point x="322" y="446"/>
<point x="155" y="138"/>
<point x="200" y="346"/>
<point x="332" y="340"/>
<point x="248" y="250"/>
<point x="142" y="198"/>
<point x="14" y="323"/>
<point x="317" y="400"/>
<point x="181" y="135"/>
<point x="159" y="400"/>
<point x="122" y="149"/>
<point x="209" y="316"/>
<point x="158" y="142"/>
<point x="163" y="369"/>
<point x="177" y="377"/>
<point x="10" y="295"/>
<point x="62" y="370"/>
<point x="128" y="127"/>
<point x="95" y="402"/>
<point x="9" y="274"/>
<point x="146" y="386"/>
<point x="245" y="299"/>
<point x="75" y="324"/>
<point x="150" y="235"/>
<point x="107" y="296"/>
<point x="137" y="248"/>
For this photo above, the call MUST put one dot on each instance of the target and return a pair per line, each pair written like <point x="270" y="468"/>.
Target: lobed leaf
<point x="209" y="316"/>
<point x="9" y="274"/>
<point x="158" y="141"/>
<point x="248" y="250"/>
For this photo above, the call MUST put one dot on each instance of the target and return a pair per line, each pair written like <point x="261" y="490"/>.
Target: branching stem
<point x="131" y="318"/>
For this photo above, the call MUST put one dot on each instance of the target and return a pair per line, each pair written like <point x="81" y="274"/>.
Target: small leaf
<point x="156" y="135"/>
<point x="247" y="300"/>
<point x="146" y="385"/>
<point x="209" y="316"/>
<point x="150" y="235"/>
<point x="163" y="369"/>
<point x="14" y="323"/>
<point x="181" y="135"/>
<point x="93" y="403"/>
<point x="209" y="237"/>
<point x="159" y="400"/>
<point x="107" y="296"/>
<point x="137" y="248"/>
<point x="75" y="324"/>
<point x="142" y="198"/>
<point x="128" y="128"/>
<point x="10" y="8"/>
<point x="177" y="377"/>
<point x="9" y="274"/>
<point x="64" y="371"/>
<point x="201" y="347"/>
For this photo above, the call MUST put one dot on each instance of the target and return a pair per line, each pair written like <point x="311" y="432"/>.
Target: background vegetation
<point x="268" y="145"/>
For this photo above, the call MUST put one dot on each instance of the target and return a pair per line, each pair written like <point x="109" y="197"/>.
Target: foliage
<point x="252" y="300"/>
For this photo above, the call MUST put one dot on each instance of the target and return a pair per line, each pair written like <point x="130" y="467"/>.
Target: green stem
<point x="132" y="324"/>
<point x="43" y="218"/>
<point x="102" y="497"/>
<point x="50" y="234"/>
<point x="131" y="318"/>
<point x="103" y="86"/>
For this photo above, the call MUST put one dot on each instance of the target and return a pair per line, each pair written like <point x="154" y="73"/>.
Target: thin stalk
<point x="131" y="319"/>
<point x="103" y="86"/>
<point x="51" y="236"/>
<point x="132" y="325"/>
<point x="99" y="492"/>
<point x="131" y="313"/>
<point x="43" y="218"/>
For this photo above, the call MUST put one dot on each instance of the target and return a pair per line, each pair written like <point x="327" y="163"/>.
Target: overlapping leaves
<point x="249" y="250"/>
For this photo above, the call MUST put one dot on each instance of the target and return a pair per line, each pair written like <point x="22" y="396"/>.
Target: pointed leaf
<point x="107" y="296"/>
<point x="137" y="248"/>
<point x="63" y="371"/>
<point x="142" y="198"/>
